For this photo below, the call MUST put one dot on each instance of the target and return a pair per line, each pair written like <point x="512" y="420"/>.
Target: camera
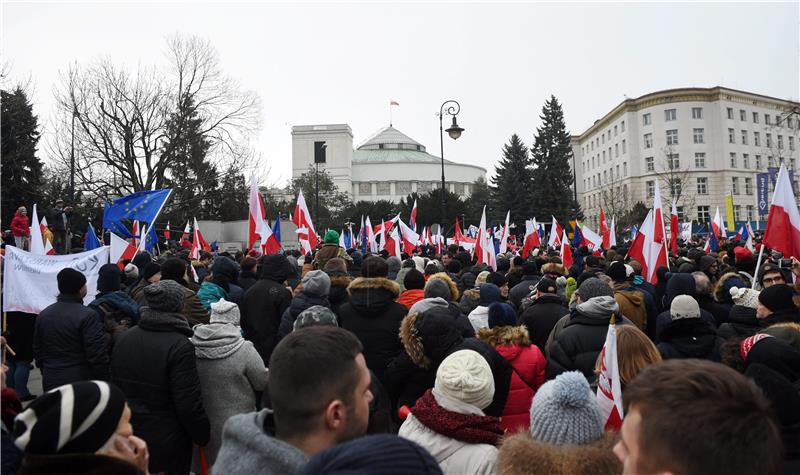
<point x="785" y="263"/>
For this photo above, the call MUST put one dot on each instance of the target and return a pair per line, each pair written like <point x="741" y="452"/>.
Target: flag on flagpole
<point x="412" y="222"/>
<point x="37" y="241"/>
<point x="783" y="222"/>
<point x="305" y="227"/>
<point x="604" y="231"/>
<point x="504" y="235"/>
<point x="199" y="243"/>
<point x="409" y="236"/>
<point x="480" y="251"/>
<point x="257" y="226"/>
<point x="612" y="233"/>
<point x="749" y="241"/>
<point x="566" y="252"/>
<point x="121" y="250"/>
<point x="372" y="246"/>
<point x="609" y="385"/>
<point x="186" y="231"/>
<point x="91" y="241"/>
<point x="590" y="239"/>
<point x="273" y="244"/>
<point x="532" y="238"/>
<point x="142" y="206"/>
<point x="577" y="236"/>
<point x="166" y="232"/>
<point x="555" y="234"/>
<point x="673" y="229"/>
<point x="647" y="251"/>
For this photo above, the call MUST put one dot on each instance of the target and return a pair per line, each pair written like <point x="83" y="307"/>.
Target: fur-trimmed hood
<point x="520" y="454"/>
<point x="371" y="295"/>
<point x="721" y="290"/>
<point x="429" y="336"/>
<point x="372" y="283"/>
<point x="454" y="293"/>
<point x="341" y="280"/>
<point x="504" y="336"/>
<point x="554" y="268"/>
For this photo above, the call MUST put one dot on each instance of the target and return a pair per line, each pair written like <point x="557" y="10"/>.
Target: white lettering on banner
<point x="30" y="282"/>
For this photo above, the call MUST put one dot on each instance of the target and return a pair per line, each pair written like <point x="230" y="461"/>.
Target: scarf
<point x="468" y="428"/>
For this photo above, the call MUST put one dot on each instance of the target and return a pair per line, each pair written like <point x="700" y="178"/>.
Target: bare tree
<point x="675" y="181"/>
<point x="113" y="122"/>
<point x="615" y="198"/>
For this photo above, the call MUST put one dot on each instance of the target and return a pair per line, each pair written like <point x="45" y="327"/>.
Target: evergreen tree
<point x="233" y="196"/>
<point x="331" y="201"/>
<point x="512" y="183"/>
<point x="193" y="179"/>
<point x="480" y="195"/>
<point x="21" y="169"/>
<point x="551" y="154"/>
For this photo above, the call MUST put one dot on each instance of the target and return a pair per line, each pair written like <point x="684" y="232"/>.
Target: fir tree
<point x="551" y="154"/>
<point x="512" y="183"/>
<point x="21" y="169"/>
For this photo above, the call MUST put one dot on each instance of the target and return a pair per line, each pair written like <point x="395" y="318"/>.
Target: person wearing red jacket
<point x="527" y="361"/>
<point x="21" y="228"/>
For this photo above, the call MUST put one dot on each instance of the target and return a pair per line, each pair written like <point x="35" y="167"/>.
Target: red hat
<point x="742" y="253"/>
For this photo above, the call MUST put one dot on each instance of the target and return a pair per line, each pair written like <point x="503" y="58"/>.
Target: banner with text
<point x="762" y="191"/>
<point x="30" y="282"/>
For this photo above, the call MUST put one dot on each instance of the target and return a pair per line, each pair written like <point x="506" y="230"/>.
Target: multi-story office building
<point x="698" y="144"/>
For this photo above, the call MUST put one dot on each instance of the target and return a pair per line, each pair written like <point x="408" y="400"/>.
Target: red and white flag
<point x="37" y="234"/>
<point x="256" y="223"/>
<point x="674" y="229"/>
<point x="409" y="236"/>
<point x="566" y="252"/>
<point x="186" y="232"/>
<point x="135" y="232"/>
<point x="481" y="251"/>
<point x="605" y="233"/>
<point x="532" y="239"/>
<point x="504" y="235"/>
<point x="439" y="241"/>
<point x="591" y="239"/>
<point x="199" y="243"/>
<point x="305" y="227"/>
<point x="166" y="232"/>
<point x="609" y="385"/>
<point x="121" y="250"/>
<point x="647" y="251"/>
<point x="555" y="234"/>
<point x="372" y="245"/>
<point x="718" y="224"/>
<point x="783" y="222"/>
<point x="612" y="233"/>
<point x="413" y="221"/>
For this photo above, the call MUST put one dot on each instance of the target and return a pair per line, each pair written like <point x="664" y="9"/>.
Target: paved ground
<point x="34" y="383"/>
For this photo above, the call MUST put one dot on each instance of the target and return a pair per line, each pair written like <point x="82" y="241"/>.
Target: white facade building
<point x="387" y="166"/>
<point x="702" y="142"/>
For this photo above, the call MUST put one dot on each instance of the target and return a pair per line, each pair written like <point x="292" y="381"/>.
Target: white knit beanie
<point x="466" y="376"/>
<point x="223" y="311"/>
<point x="744" y="297"/>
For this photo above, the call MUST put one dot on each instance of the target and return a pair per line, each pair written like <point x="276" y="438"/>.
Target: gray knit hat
<point x="437" y="288"/>
<point x="315" y="315"/>
<point x="684" y="306"/>
<point x="316" y="282"/>
<point x="465" y="376"/>
<point x="565" y="411"/>
<point x="164" y="295"/>
<point x="594" y="287"/>
<point x="223" y="311"/>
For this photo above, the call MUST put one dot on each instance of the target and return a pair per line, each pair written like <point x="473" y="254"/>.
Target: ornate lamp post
<point x="451" y="108"/>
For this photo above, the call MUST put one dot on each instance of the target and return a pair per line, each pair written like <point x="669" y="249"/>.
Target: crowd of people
<point x="56" y="228"/>
<point x="340" y="362"/>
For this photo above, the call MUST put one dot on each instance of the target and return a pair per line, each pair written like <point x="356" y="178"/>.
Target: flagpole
<point x="761" y="251"/>
<point x="169" y="193"/>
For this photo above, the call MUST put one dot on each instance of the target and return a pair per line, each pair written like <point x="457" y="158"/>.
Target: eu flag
<point x="142" y="205"/>
<point x="150" y="240"/>
<point x="91" y="241"/>
<point x="577" y="236"/>
<point x="713" y="244"/>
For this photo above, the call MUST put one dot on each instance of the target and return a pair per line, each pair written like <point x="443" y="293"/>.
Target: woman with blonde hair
<point x="635" y="351"/>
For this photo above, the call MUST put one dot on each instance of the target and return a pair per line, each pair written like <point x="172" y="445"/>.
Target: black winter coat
<point x="69" y="343"/>
<point x="541" y="317"/>
<point x="299" y="303"/>
<point x="689" y="338"/>
<point x="19" y="334"/>
<point x="154" y="365"/>
<point x="247" y="279"/>
<point x="372" y="314"/>
<point x="523" y="289"/>
<point x="338" y="294"/>
<point x="664" y="318"/>
<point x="577" y="346"/>
<point x="742" y="322"/>
<point x="264" y="303"/>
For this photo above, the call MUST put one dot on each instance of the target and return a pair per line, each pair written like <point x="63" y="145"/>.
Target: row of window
<point x="404" y="187"/>
<point x="607" y="176"/>
<point x="698" y="137"/>
<point x="602" y="139"/>
<point x="757" y="139"/>
<point x="595" y="160"/>
<point x="673" y="161"/>
<point x="790" y="122"/>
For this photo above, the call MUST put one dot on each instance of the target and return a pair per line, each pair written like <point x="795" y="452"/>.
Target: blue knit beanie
<point x="490" y="293"/>
<point x="564" y="411"/>
<point x="501" y="315"/>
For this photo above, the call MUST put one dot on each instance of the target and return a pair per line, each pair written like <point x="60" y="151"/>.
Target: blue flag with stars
<point x="150" y="240"/>
<point x="91" y="241"/>
<point x="142" y="205"/>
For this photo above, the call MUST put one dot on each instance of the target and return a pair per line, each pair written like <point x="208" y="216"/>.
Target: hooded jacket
<point x="230" y="371"/>
<point x="372" y="314"/>
<point x="742" y="322"/>
<point x="541" y="316"/>
<point x="327" y="252"/>
<point x="410" y="297"/>
<point x="264" y="303"/>
<point x="576" y="346"/>
<point x="632" y="304"/>
<point x="154" y="364"/>
<point x="338" y="293"/>
<point x="689" y="338"/>
<point x="528" y="372"/>
<point x="247" y="449"/>
<point x="20" y="225"/>
<point x="300" y="302"/>
<point x="520" y="454"/>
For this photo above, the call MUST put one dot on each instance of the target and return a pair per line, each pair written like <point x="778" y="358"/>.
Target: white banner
<point x="30" y="282"/>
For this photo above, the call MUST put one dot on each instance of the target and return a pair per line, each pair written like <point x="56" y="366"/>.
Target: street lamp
<point x="454" y="131"/>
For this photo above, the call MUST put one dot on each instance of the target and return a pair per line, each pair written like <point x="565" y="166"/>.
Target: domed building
<point x="389" y="165"/>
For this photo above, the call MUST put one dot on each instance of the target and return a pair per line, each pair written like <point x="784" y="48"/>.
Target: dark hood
<point x="276" y="267"/>
<point x="743" y="315"/>
<point x="122" y="301"/>
<point x="692" y="337"/>
<point x="679" y="284"/>
<point x="338" y="292"/>
<point x="428" y="337"/>
<point x="304" y="301"/>
<point x="372" y="294"/>
<point x="548" y="298"/>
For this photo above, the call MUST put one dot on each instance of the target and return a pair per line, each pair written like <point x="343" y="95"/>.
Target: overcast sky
<point x="334" y="63"/>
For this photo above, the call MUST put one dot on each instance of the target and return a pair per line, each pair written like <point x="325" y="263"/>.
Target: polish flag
<point x="256" y="223"/>
<point x="480" y="250"/>
<point x="718" y="225"/>
<point x="439" y="241"/>
<point x="749" y="241"/>
<point x="532" y="239"/>
<point x="604" y="231"/>
<point x="166" y="232"/>
<point x="121" y="250"/>
<point x="186" y="231"/>
<point x="647" y="251"/>
<point x="409" y="236"/>
<point x="305" y="227"/>
<point x="413" y="221"/>
<point x="48" y="248"/>
<point x="783" y="223"/>
<point x="458" y="236"/>
<point x="37" y="233"/>
<point x="504" y="235"/>
<point x="590" y="238"/>
<point x="566" y="252"/>
<point x="673" y="229"/>
<point x="199" y="243"/>
<point x="142" y="239"/>
<point x="609" y="385"/>
<point x="135" y="232"/>
<point x="659" y="230"/>
<point x="555" y="234"/>
<point x="43" y="226"/>
<point x="372" y="246"/>
<point x="392" y="242"/>
<point x="612" y="233"/>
